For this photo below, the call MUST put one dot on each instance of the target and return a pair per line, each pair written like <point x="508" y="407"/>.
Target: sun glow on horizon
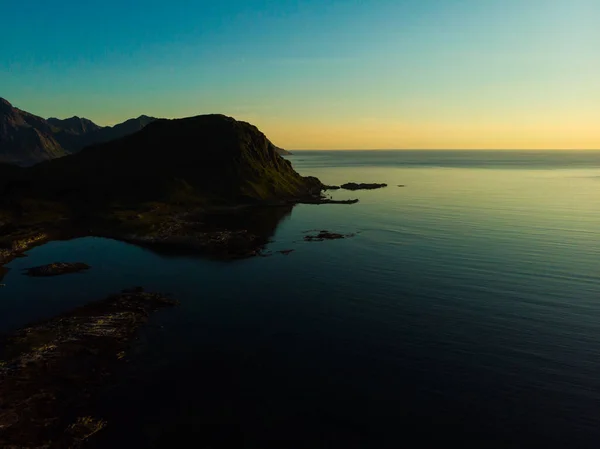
<point x="324" y="74"/>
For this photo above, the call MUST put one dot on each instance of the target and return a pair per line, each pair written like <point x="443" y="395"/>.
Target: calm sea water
<point x="466" y="309"/>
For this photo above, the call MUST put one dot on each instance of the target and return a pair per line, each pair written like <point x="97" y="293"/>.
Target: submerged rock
<point x="57" y="268"/>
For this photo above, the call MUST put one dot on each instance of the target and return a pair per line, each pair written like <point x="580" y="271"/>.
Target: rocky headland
<point x="157" y="187"/>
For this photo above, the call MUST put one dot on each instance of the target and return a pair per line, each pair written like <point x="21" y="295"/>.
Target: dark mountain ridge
<point x="26" y="139"/>
<point x="76" y="125"/>
<point x="207" y="156"/>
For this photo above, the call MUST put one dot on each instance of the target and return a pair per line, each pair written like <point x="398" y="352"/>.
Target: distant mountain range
<point x="26" y="139"/>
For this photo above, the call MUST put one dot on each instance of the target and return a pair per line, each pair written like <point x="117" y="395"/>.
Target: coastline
<point x="165" y="226"/>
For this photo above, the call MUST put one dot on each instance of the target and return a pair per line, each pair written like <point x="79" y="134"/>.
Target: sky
<point x="319" y="74"/>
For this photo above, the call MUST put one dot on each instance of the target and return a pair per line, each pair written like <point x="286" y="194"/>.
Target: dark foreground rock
<point x="326" y="235"/>
<point x="51" y="371"/>
<point x="57" y="268"/>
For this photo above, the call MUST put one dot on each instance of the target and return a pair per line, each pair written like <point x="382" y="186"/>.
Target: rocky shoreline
<point x="50" y="371"/>
<point x="178" y="229"/>
<point x="12" y="246"/>
<point x="57" y="269"/>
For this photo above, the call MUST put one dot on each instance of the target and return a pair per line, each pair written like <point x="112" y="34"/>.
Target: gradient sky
<point x="319" y="74"/>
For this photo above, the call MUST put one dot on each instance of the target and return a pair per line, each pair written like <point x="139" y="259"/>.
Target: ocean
<point x="464" y="309"/>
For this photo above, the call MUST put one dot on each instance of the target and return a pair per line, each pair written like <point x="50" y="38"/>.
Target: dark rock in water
<point x="362" y="186"/>
<point x="52" y="371"/>
<point x="331" y="187"/>
<point x="286" y="252"/>
<point x="401" y="185"/>
<point x="57" y="268"/>
<point x="321" y="200"/>
<point x="326" y="235"/>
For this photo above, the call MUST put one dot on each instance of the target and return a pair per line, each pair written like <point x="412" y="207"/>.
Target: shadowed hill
<point x="201" y="158"/>
<point x="159" y="186"/>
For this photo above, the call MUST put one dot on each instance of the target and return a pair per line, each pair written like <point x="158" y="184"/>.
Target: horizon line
<point x="443" y="149"/>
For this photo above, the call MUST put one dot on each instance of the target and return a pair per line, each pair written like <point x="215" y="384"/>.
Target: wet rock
<point x="401" y="185"/>
<point x="362" y="186"/>
<point x="57" y="268"/>
<point x="326" y="235"/>
<point x="286" y="252"/>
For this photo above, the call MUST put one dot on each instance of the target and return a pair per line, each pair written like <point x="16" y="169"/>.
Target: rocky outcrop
<point x="325" y="235"/>
<point x="362" y="186"/>
<point x="57" y="268"/>
<point x="355" y="186"/>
